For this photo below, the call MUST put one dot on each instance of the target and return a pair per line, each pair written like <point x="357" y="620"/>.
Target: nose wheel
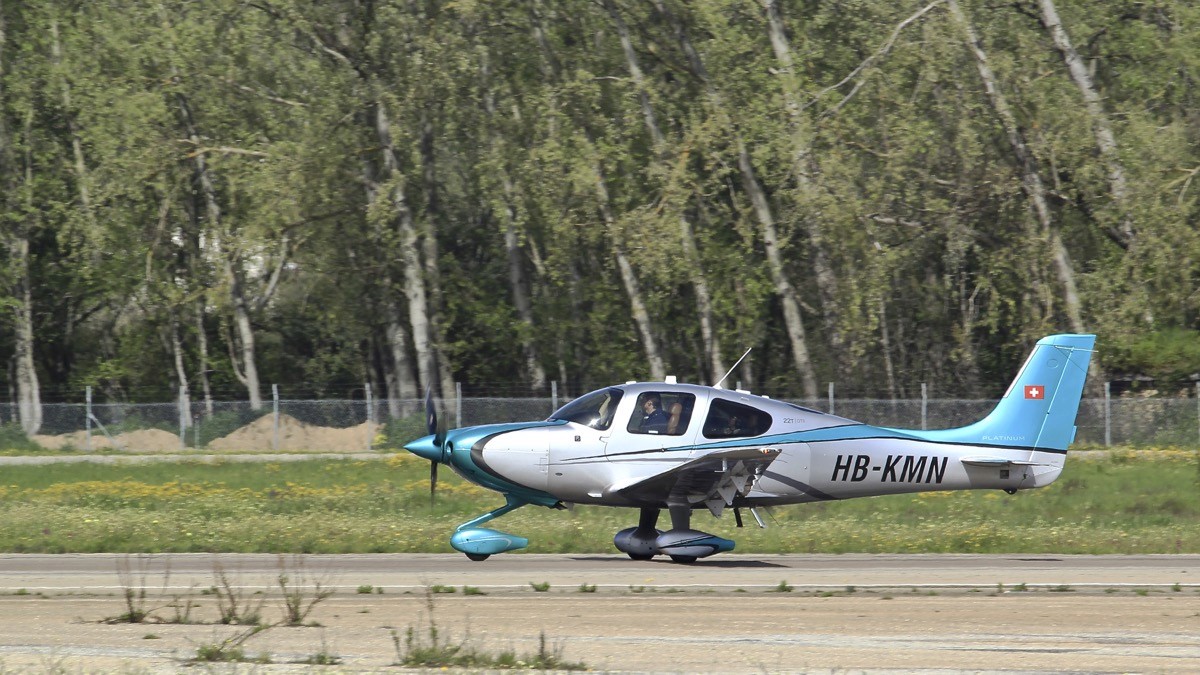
<point x="480" y="543"/>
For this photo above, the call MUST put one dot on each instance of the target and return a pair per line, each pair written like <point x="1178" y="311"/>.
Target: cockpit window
<point x="727" y="419"/>
<point x="662" y="412"/>
<point x="595" y="410"/>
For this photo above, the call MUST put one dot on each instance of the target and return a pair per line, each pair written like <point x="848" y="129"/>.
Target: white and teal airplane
<point x="683" y="447"/>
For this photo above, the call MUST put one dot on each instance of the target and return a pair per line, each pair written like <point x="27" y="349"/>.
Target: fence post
<point x="553" y="395"/>
<point x="275" y="417"/>
<point x="924" y="406"/>
<point x="87" y="443"/>
<point x="458" y="405"/>
<point x="1107" y="414"/>
<point x="831" y="398"/>
<point x="370" y="416"/>
<point x="183" y="420"/>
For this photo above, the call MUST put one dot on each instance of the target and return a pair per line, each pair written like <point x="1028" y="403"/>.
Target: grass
<point x="1127" y="503"/>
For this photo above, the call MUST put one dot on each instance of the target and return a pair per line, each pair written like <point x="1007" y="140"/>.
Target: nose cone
<point x="425" y="447"/>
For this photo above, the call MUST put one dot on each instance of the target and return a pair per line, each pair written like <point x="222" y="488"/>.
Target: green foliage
<point x="525" y="165"/>
<point x="13" y="438"/>
<point x="1169" y="356"/>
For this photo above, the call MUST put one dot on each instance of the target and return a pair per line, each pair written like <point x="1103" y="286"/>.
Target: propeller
<point x="438" y="431"/>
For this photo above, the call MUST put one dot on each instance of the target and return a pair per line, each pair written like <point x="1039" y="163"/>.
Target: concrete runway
<point x="844" y="613"/>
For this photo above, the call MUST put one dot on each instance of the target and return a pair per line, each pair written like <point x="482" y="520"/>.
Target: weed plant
<point x="1128" y="503"/>
<point x="428" y="647"/>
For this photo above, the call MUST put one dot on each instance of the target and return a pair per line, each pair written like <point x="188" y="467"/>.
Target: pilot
<point x="654" y="418"/>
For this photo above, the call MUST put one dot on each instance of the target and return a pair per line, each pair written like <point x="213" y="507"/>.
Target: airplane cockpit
<point x="649" y="409"/>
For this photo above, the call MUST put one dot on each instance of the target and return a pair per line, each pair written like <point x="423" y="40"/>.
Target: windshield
<point x="594" y="410"/>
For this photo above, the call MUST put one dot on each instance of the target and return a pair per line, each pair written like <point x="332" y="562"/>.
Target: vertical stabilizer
<point x="1038" y="410"/>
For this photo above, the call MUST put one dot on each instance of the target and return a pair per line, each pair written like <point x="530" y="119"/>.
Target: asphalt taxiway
<point x="731" y="613"/>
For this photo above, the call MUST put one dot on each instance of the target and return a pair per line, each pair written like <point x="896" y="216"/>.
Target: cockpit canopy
<point x="594" y="410"/>
<point x="669" y="411"/>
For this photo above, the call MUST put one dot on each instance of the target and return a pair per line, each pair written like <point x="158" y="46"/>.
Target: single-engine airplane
<point x="683" y="447"/>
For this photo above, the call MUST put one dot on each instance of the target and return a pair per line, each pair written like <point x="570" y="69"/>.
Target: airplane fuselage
<point x="822" y="456"/>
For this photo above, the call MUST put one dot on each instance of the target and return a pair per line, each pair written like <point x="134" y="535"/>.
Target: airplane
<point x="687" y="447"/>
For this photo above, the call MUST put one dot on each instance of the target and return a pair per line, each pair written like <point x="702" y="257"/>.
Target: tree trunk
<point x="804" y="168"/>
<point x="1106" y="142"/>
<point x="202" y="347"/>
<point x="762" y="210"/>
<point x="29" y="401"/>
<point x="16" y="240"/>
<point x="641" y="316"/>
<point x="691" y="253"/>
<point x="248" y="373"/>
<point x="520" y="291"/>
<point x="185" y="402"/>
<point x="787" y="294"/>
<point x="433" y="275"/>
<point x="85" y="200"/>
<point x="410" y="258"/>
<point x="398" y="373"/>
<point x="517" y="278"/>
<point x="1031" y="182"/>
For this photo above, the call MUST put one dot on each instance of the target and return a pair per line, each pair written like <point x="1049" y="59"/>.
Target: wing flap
<point x="719" y="476"/>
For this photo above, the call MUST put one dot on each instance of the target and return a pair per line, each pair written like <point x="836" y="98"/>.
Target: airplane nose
<point x="426" y="448"/>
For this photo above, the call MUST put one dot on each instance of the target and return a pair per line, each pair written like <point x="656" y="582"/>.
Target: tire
<point x="683" y="559"/>
<point x="478" y="557"/>
<point x="640" y="556"/>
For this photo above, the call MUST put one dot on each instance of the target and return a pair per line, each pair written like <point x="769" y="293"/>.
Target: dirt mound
<point x="142" y="440"/>
<point x="76" y="440"/>
<point x="259" y="436"/>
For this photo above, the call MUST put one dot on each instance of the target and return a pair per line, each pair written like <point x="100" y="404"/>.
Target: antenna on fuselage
<point x="739" y="362"/>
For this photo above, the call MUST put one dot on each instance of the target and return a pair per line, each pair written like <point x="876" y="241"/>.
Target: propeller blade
<point x="432" y="482"/>
<point x="431" y="418"/>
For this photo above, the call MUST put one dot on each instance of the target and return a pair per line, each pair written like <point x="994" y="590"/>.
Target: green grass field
<point x="1144" y="502"/>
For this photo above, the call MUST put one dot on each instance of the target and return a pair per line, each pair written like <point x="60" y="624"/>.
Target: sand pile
<point x="258" y="436"/>
<point x="142" y="440"/>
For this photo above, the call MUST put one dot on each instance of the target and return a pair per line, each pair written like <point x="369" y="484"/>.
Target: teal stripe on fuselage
<point x="853" y="432"/>
<point x="846" y="432"/>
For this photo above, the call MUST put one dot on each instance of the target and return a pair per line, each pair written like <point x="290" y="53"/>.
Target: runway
<point x="732" y="613"/>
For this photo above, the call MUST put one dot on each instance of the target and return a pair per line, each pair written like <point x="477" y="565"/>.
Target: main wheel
<point x="684" y="559"/>
<point x="477" y="557"/>
<point x="640" y="556"/>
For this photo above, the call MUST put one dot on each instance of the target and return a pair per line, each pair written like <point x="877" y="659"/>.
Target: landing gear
<point x="638" y="542"/>
<point x="683" y="544"/>
<point x="479" y="542"/>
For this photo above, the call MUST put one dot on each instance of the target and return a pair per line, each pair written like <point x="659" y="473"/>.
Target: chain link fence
<point x="368" y="425"/>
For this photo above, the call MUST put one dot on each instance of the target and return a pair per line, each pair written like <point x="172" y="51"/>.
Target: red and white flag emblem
<point x="1035" y="391"/>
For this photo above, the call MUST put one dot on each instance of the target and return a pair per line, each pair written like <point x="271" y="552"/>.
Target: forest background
<point x="217" y="195"/>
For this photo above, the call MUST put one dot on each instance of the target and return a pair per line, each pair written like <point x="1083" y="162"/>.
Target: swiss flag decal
<point x="1035" y="391"/>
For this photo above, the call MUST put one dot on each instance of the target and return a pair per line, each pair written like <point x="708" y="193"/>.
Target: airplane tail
<point x="1038" y="410"/>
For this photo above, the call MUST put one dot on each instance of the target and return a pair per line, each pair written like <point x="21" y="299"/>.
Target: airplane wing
<point x="715" y="479"/>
